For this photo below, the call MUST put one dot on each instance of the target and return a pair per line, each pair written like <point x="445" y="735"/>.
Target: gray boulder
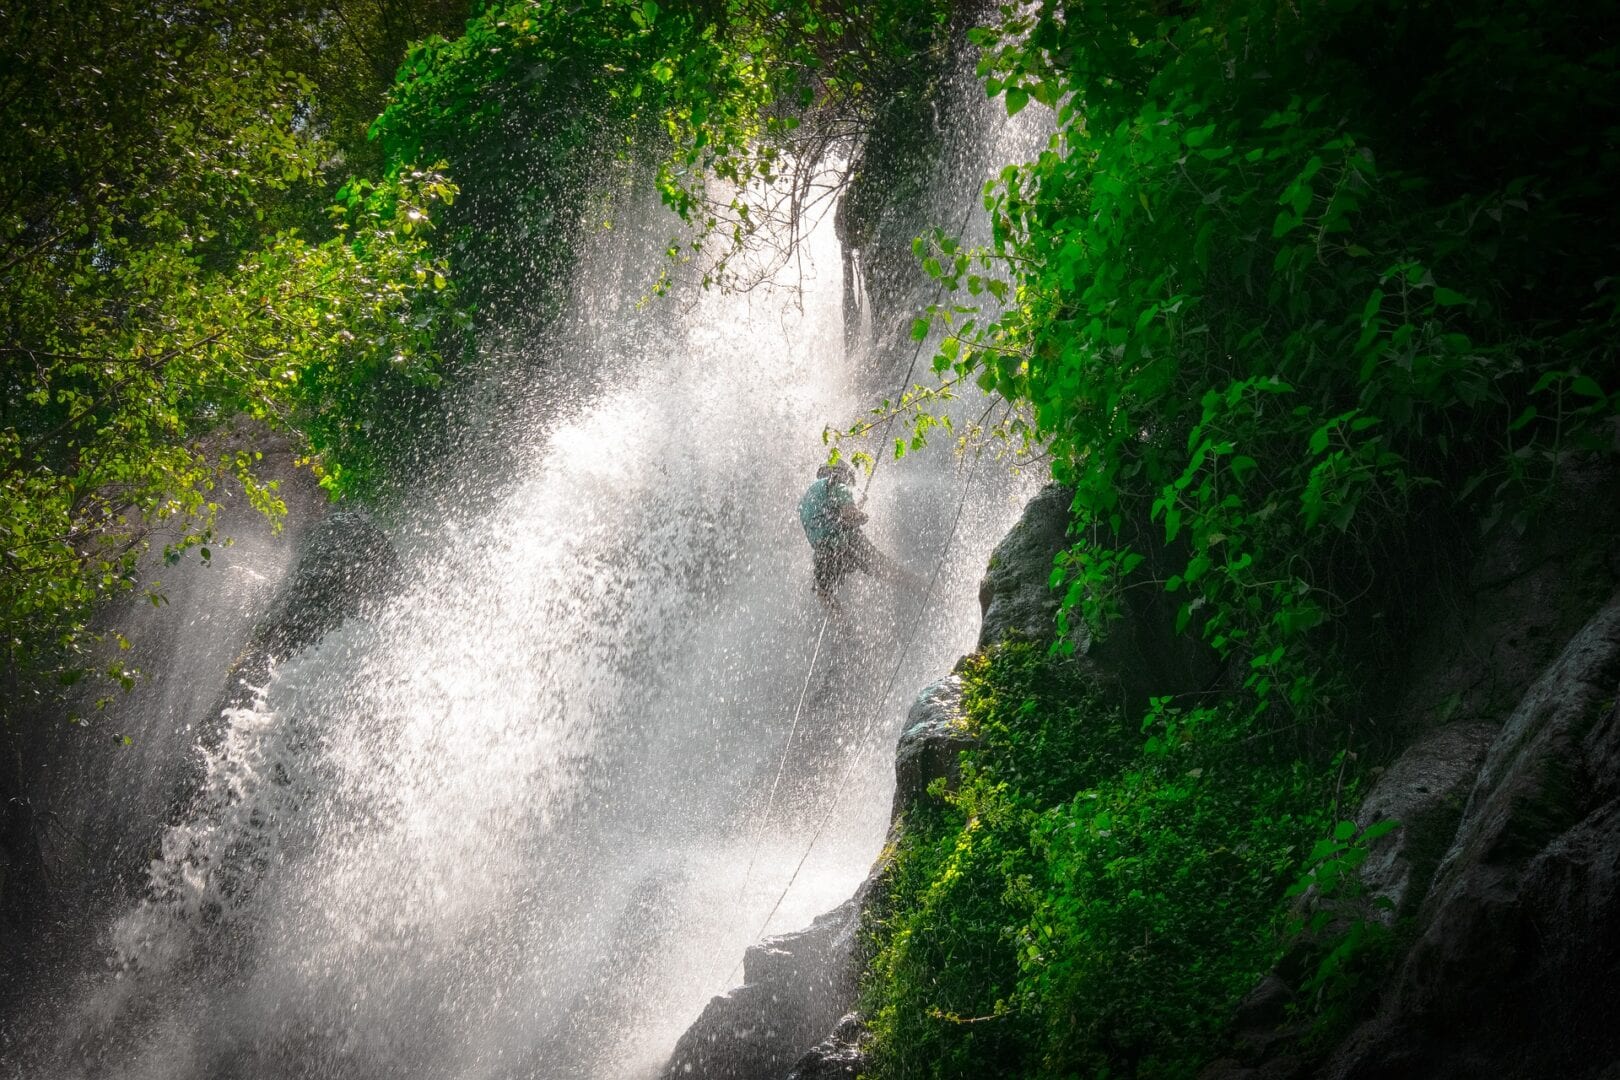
<point x="1016" y="596"/>
<point x="795" y="987"/>
<point x="1425" y="791"/>
<point x="931" y="742"/>
<point x="1512" y="970"/>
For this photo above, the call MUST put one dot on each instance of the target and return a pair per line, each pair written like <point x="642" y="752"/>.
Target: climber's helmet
<point x="840" y="472"/>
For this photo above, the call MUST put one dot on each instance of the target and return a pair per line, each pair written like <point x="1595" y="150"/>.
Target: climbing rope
<point x="770" y="799"/>
<point x="877" y="459"/>
<point x="905" y="381"/>
<point x="916" y="626"/>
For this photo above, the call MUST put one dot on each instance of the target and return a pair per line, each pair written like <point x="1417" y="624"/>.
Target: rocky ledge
<point x="795" y="988"/>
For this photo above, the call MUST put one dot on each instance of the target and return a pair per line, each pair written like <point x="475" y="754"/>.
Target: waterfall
<point x="514" y="823"/>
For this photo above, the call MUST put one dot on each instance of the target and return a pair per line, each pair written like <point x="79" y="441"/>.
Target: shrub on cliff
<point x="1290" y="278"/>
<point x="1078" y="907"/>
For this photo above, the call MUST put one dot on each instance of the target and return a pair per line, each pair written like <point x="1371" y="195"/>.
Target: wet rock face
<point x="837" y="1057"/>
<point x="931" y="742"/>
<point x="80" y="809"/>
<point x="884" y="205"/>
<point x="1513" y="969"/>
<point x="1016" y="596"/>
<point x="346" y="566"/>
<point x="795" y="988"/>
<point x="798" y="987"/>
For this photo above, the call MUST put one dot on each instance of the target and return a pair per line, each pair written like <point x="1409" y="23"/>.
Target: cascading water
<point x="524" y="820"/>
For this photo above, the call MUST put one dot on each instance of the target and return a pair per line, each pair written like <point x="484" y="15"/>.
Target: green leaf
<point x="1547" y="379"/>
<point x="1017" y="98"/>
<point x="919" y="329"/>
<point x="1200" y="135"/>
<point x="1379" y="829"/>
<point x="1172" y="523"/>
<point x="1523" y="418"/>
<point x="1374" y="303"/>
<point x="1201" y="245"/>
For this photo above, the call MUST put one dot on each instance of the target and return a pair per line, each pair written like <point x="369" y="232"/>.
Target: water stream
<point x="515" y="825"/>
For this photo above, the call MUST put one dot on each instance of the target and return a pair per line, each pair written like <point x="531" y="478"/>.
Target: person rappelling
<point x="832" y="518"/>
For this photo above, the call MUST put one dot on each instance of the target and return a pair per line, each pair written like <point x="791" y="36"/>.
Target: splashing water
<point x="516" y="825"/>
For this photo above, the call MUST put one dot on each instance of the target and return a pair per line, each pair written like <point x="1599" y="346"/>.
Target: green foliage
<point x="1285" y="282"/>
<point x="167" y="262"/>
<point x="544" y="107"/>
<point x="1336" y="922"/>
<point x="166" y="267"/>
<point x="1084" y="904"/>
<point x="1289" y="278"/>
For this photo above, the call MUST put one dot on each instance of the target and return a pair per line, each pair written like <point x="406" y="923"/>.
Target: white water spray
<point x="514" y="825"/>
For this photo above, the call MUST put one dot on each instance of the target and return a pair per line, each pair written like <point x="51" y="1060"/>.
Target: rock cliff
<point x="795" y="988"/>
<point x="1501" y="883"/>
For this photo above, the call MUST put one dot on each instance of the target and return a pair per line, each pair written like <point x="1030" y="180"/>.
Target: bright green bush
<point x="1080" y="907"/>
<point x="1302" y="288"/>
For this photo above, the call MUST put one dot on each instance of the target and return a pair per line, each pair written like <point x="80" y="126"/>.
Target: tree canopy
<point x="168" y="263"/>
